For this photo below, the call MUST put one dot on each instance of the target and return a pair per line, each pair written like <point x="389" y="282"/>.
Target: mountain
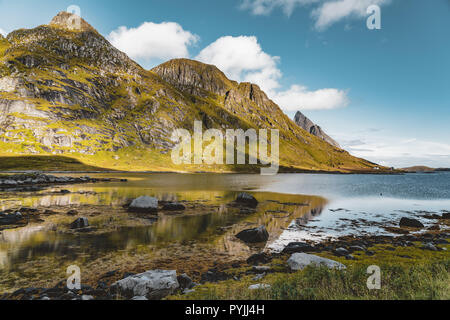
<point x="419" y="169"/>
<point x="303" y="122"/>
<point x="66" y="92"/>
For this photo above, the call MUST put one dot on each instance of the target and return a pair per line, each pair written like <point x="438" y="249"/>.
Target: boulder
<point x="300" y="261"/>
<point x="446" y="215"/>
<point x="153" y="285"/>
<point x="144" y="204"/>
<point x="256" y="235"/>
<point x="411" y="223"/>
<point x="80" y="223"/>
<point x="173" y="206"/>
<point x="246" y="200"/>
<point x="298" y="247"/>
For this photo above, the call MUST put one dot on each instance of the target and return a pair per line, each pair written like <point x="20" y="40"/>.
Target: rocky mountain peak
<point x="71" y="21"/>
<point x="194" y="77"/>
<point x="306" y="124"/>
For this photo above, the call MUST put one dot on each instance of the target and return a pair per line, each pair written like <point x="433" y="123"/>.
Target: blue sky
<point x="383" y="94"/>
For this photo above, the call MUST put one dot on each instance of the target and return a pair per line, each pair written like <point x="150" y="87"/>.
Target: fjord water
<point x="294" y="207"/>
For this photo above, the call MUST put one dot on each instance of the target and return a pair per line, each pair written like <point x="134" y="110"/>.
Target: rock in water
<point x="144" y="204"/>
<point x="300" y="261"/>
<point x="80" y="223"/>
<point x="153" y="285"/>
<point x="297" y="247"/>
<point x="411" y="223"/>
<point x="246" y="200"/>
<point x="256" y="235"/>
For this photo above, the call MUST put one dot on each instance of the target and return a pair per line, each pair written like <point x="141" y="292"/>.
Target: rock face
<point x="153" y="285"/>
<point x="300" y="261"/>
<point x="411" y="223"/>
<point x="303" y="122"/>
<point x="66" y="91"/>
<point x="246" y="200"/>
<point x="144" y="205"/>
<point x="256" y="235"/>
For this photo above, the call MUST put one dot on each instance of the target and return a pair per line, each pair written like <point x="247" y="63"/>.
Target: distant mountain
<point x="303" y="122"/>
<point x="419" y="169"/>
<point x="68" y="92"/>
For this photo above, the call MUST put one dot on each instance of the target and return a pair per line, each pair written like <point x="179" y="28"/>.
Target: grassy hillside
<point x="71" y="93"/>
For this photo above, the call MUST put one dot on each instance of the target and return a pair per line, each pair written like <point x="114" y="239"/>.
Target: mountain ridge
<point x="305" y="123"/>
<point x="65" y="92"/>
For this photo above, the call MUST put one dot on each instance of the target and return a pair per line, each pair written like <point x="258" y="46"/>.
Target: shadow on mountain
<point x="45" y="163"/>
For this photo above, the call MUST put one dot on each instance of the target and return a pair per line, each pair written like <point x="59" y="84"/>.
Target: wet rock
<point x="185" y="282"/>
<point x="259" y="258"/>
<point x="246" y="200"/>
<point x="411" y="223"/>
<point x="300" y="261"/>
<point x="173" y="206"/>
<point x="80" y="223"/>
<point x="11" y="219"/>
<point x="256" y="235"/>
<point x="87" y="297"/>
<point x="154" y="285"/>
<point x="298" y="247"/>
<point x="144" y="204"/>
<point x="446" y="215"/>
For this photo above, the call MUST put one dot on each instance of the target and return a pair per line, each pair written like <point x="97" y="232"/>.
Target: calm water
<point x="294" y="207"/>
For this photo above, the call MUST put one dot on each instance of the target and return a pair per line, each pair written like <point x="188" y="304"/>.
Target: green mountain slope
<point x="71" y="93"/>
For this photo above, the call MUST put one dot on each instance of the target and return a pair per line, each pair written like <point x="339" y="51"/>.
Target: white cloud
<point x="325" y="12"/>
<point x="398" y="152"/>
<point x="242" y="59"/>
<point x="166" y="40"/>
<point x="299" y="98"/>
<point x="3" y="32"/>
<point x="264" y="7"/>
<point x="331" y="12"/>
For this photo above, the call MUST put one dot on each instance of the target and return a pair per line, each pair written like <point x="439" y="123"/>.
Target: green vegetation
<point x="408" y="273"/>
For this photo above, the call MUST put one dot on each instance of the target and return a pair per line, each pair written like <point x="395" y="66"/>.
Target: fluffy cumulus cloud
<point x="299" y="97"/>
<point x="243" y="59"/>
<point x="324" y="12"/>
<point x="3" y="32"/>
<point x="163" y="41"/>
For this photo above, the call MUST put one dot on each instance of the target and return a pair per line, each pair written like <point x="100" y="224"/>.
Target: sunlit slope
<point x="71" y="93"/>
